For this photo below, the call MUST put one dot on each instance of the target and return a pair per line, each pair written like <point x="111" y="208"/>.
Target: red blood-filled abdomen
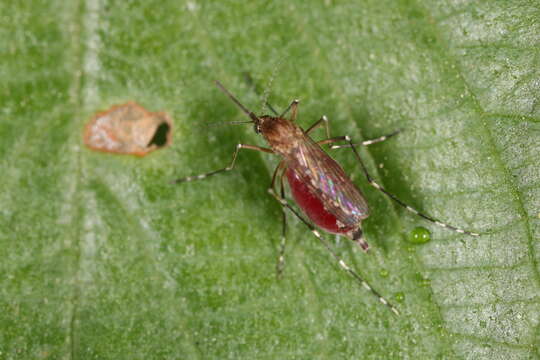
<point x="312" y="206"/>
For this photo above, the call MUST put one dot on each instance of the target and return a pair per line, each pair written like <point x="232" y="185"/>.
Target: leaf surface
<point x="103" y="258"/>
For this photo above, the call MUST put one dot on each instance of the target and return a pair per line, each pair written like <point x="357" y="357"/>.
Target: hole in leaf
<point x="128" y="129"/>
<point x="161" y="135"/>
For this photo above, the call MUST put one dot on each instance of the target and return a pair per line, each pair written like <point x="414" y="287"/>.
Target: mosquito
<point x="318" y="184"/>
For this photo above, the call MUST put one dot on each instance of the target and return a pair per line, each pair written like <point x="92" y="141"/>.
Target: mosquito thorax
<point x="281" y="134"/>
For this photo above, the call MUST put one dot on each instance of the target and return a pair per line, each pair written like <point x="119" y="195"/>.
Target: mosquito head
<point x="275" y="129"/>
<point x="257" y="125"/>
<point x="265" y="123"/>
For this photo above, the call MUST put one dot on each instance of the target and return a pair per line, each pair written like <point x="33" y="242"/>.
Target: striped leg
<point x="324" y="121"/>
<point x="395" y="198"/>
<point x="280" y="264"/>
<point x="340" y="261"/>
<point x="368" y="142"/>
<point x="225" y="169"/>
<point x="372" y="182"/>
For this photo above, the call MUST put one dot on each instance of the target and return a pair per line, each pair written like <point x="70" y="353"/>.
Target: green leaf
<point x="103" y="258"/>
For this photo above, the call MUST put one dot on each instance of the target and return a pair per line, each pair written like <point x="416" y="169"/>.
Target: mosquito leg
<point x="278" y="172"/>
<point x="369" y="142"/>
<point x="225" y="169"/>
<point x="292" y="106"/>
<point x="322" y="121"/>
<point x="331" y="140"/>
<point x="271" y="108"/>
<point x="395" y="198"/>
<point x="281" y="258"/>
<point x="339" y="260"/>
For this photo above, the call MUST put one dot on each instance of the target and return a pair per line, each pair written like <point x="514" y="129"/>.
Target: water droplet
<point x="419" y="235"/>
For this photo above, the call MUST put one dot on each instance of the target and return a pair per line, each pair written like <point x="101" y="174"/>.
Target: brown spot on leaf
<point x="128" y="129"/>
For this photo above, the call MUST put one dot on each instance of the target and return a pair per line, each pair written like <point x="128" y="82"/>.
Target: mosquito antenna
<point x="266" y="92"/>
<point x="249" y="113"/>
<point x="251" y="83"/>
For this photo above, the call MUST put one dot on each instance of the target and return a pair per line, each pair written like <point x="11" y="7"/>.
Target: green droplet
<point x="399" y="296"/>
<point x="384" y="272"/>
<point x="419" y="235"/>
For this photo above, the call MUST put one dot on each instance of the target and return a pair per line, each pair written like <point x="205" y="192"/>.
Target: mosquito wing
<point x="328" y="182"/>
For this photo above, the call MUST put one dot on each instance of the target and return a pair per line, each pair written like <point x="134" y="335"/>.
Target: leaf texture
<point x="103" y="258"/>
